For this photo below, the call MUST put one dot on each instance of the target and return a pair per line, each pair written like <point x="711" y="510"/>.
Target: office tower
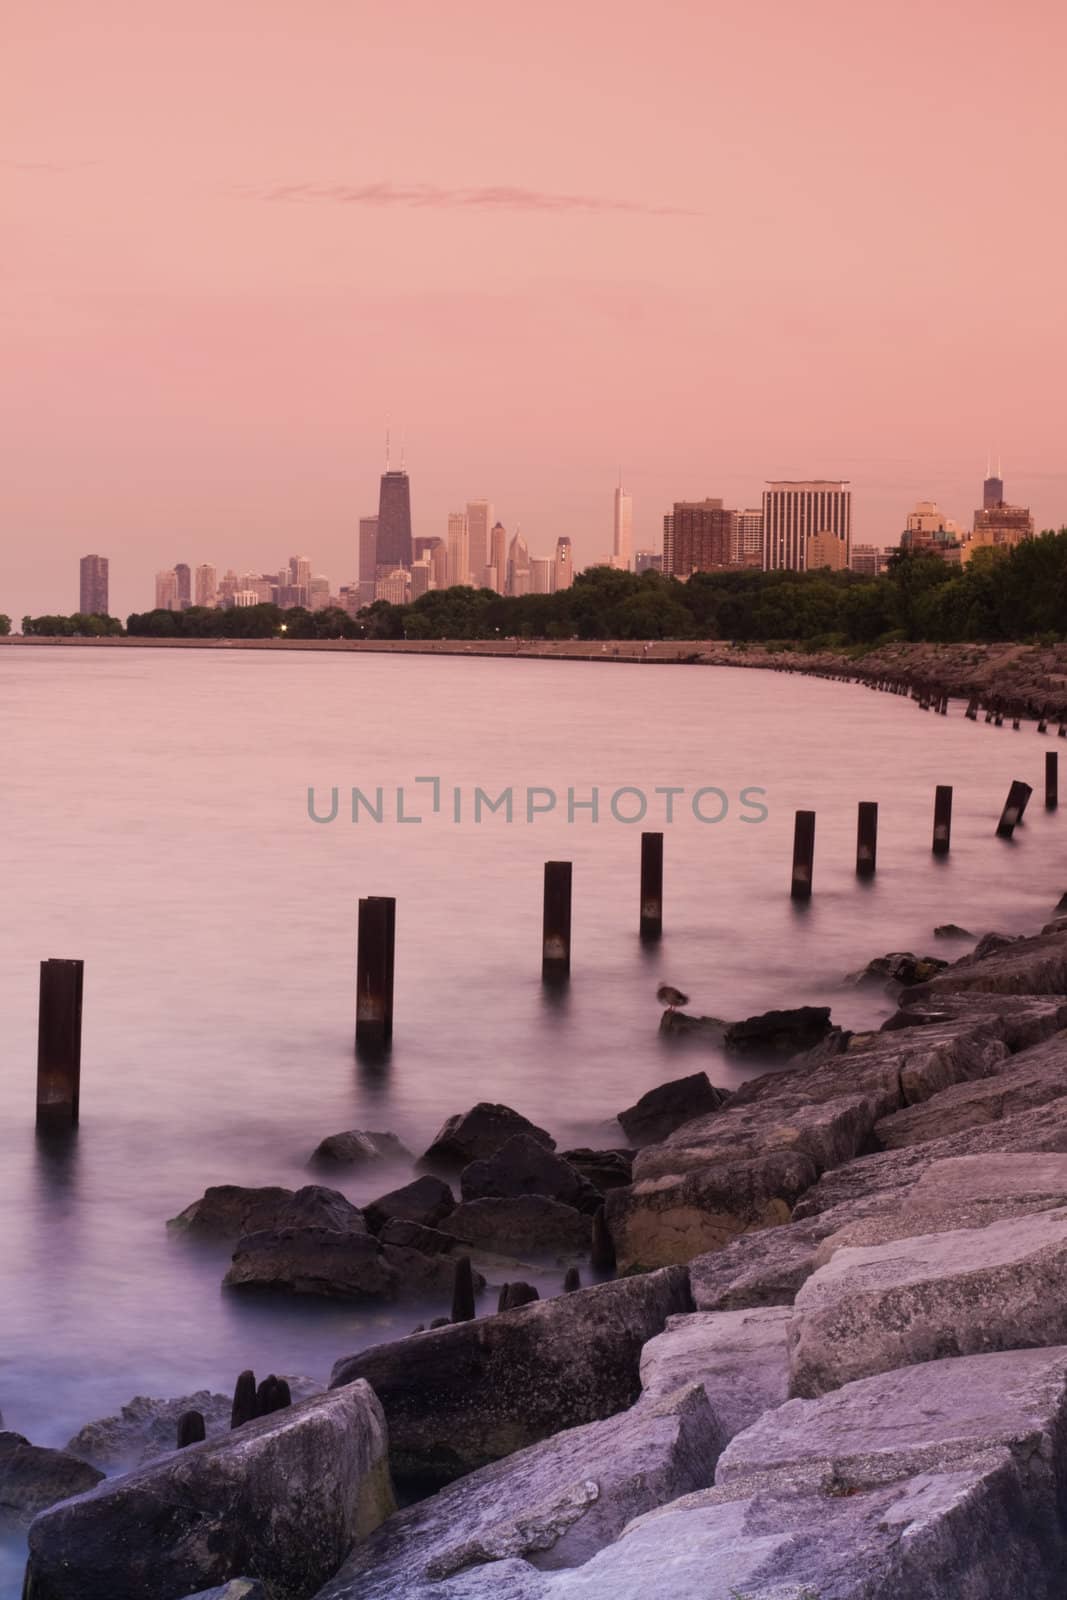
<point x="929" y="532"/>
<point x="563" y="576"/>
<point x="542" y="575"/>
<point x="825" y="551"/>
<point x="349" y="598"/>
<point x="498" y="556"/>
<point x="698" y="536"/>
<point x="992" y="488"/>
<point x="792" y="512"/>
<point x="318" y="593"/>
<point x="167" y="590"/>
<point x="438" y="557"/>
<point x="518" y="578"/>
<point x="206" y="585"/>
<point x="394" y="520"/>
<point x="92" y="600"/>
<point x="459" y="566"/>
<point x="393" y="586"/>
<point x="998" y="524"/>
<point x="648" y="561"/>
<point x="299" y="581"/>
<point x="421" y="574"/>
<point x="185" y="585"/>
<point x="622" y="544"/>
<point x="228" y="586"/>
<point x="867" y="559"/>
<point x="368" y="557"/>
<point x="479" y="525"/>
<point x="748" y="551"/>
<point x="246" y="597"/>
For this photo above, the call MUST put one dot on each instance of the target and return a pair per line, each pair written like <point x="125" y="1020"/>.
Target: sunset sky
<point x="713" y="242"/>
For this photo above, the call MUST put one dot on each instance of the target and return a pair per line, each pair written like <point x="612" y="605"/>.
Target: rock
<point x="1021" y="966"/>
<point x="427" y="1200"/>
<point x="236" y="1589"/>
<point x="477" y="1134"/>
<point x="555" y="1504"/>
<point x="605" y="1169"/>
<point x="356" y="1148"/>
<point x="228" y="1212"/>
<point x="523" y="1166"/>
<point x="951" y="930"/>
<point x="738" y="1357"/>
<point x="413" y="1236"/>
<point x="526" y="1225"/>
<point x="944" y="1294"/>
<point x="1017" y="1083"/>
<point x="513" y="1295"/>
<point x="668" y="1105"/>
<point x="778" y="1033"/>
<point x="284" y="1497"/>
<point x="757" y="1269"/>
<point x="337" y="1266"/>
<point x="990" y="943"/>
<point x="459" y="1397"/>
<point x="1019" y="1021"/>
<point x="680" y="1022"/>
<point x="33" y="1478"/>
<point x="902" y="967"/>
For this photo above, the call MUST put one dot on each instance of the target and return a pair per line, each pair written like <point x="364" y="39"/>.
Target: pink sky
<point x="819" y="239"/>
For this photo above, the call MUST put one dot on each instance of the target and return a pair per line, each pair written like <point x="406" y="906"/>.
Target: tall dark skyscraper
<point x="93" y="596"/>
<point x="394" y="520"/>
<point x="185" y="585"/>
<point x="992" y="489"/>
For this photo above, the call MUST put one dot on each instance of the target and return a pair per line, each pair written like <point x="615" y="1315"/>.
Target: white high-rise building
<point x="795" y="512"/>
<point x="498" y="557"/>
<point x="542" y="575"/>
<point x="167" y="590"/>
<point x="564" y="564"/>
<point x="479" y="525"/>
<point x="459" y="558"/>
<point x="206" y="585"/>
<point x="623" y="542"/>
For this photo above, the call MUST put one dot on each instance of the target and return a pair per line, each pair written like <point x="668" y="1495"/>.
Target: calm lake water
<point x="155" y="823"/>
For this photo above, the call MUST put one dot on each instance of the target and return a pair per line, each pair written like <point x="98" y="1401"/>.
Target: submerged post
<point x="191" y="1429"/>
<point x="556" y="925"/>
<point x="59" y="1044"/>
<point x="803" y="855"/>
<point x="375" y="951"/>
<point x="651" y="885"/>
<point x="942" y="819"/>
<point x="1014" y="806"/>
<point x="1052" y="780"/>
<point x="867" y="838"/>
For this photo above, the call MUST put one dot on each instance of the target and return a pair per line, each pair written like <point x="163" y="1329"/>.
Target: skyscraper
<point x="792" y="512"/>
<point x="459" y="565"/>
<point x="479" y="523"/>
<point x="749" y="542"/>
<point x="997" y="524"/>
<point x="498" y="556"/>
<point x="698" y="535"/>
<point x="185" y="585"/>
<point x="206" y="585"/>
<point x="368" y="558"/>
<point x="518" y="579"/>
<point x="167" y="590"/>
<point x="394" y="521"/>
<point x="93" y="586"/>
<point x="992" y="488"/>
<point x="542" y="575"/>
<point x="564" y="573"/>
<point x="622" y="544"/>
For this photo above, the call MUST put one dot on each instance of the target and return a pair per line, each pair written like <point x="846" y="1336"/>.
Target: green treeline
<point x="1016" y="595"/>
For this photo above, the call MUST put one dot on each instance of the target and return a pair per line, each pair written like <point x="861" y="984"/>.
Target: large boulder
<point x="901" y="967"/>
<point x="228" y="1212"/>
<point x="765" y="1268"/>
<point x="554" y="1504"/>
<point x="337" y="1266"/>
<point x="605" y="1169"/>
<point x="33" y="1478"/>
<point x="355" y="1148"/>
<point x="1022" y="966"/>
<point x="668" y="1105"/>
<point x="526" y="1225"/>
<point x="426" y="1200"/>
<point x="523" y="1166"/>
<point x="873" y="1308"/>
<point x="285" y="1497"/>
<point x="779" y="1033"/>
<point x="146" y="1427"/>
<point x="476" y="1134"/>
<point x="1016" y="1083"/>
<point x="739" y="1358"/>
<point x="459" y="1397"/>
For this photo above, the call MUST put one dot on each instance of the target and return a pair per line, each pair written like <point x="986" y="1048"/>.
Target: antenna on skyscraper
<point x="403" y="448"/>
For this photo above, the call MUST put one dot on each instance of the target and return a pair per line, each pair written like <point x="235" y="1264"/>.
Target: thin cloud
<point x="428" y="196"/>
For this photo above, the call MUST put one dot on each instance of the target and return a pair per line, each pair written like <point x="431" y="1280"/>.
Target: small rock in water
<point x="952" y="930"/>
<point x="668" y="1105"/>
<point x="426" y="1201"/>
<point x="356" y="1148"/>
<point x="779" y="1033"/>
<point x="227" y="1212"/>
<point x="477" y="1134"/>
<point x="33" y="1478"/>
<point x="513" y="1295"/>
<point x="605" y="1169"/>
<point x="902" y="967"/>
<point x="524" y="1167"/>
<point x="681" y="1022"/>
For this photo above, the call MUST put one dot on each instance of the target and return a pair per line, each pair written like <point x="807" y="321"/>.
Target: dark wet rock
<point x="902" y="967"/>
<point x="1018" y="966"/>
<point x="513" y="1295"/>
<point x="285" y="1497"/>
<point x="990" y="943"/>
<point x="426" y="1200"/>
<point x="462" y="1396"/>
<point x="425" y="1276"/>
<point x="522" y="1167"/>
<point x="779" y="1033"/>
<point x="146" y="1427"/>
<point x="668" y="1105"/>
<point x="530" y="1224"/>
<point x="335" y="1266"/>
<point x="572" y="1280"/>
<point x="1017" y="1083"/>
<point x="605" y="1169"/>
<point x="413" y="1236"/>
<point x="228" y="1212"/>
<point x="682" y="1023"/>
<point x="33" y="1478"/>
<point x="952" y="930"/>
<point x="236" y="1589"/>
<point x="479" y="1133"/>
<point x="356" y="1149"/>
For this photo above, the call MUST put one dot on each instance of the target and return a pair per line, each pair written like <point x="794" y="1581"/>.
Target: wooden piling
<point x="191" y="1428"/>
<point x="59" y="1044"/>
<point x="942" y="819"/>
<point x="803" y="855"/>
<point x="1052" y="780"/>
<point x="572" y="1280"/>
<point x="866" y="838"/>
<point x="602" y="1255"/>
<point x="1014" y="806"/>
<point x="244" y="1408"/>
<point x="463" y="1309"/>
<point x="556" y="924"/>
<point x="513" y="1295"/>
<point x="375" y="957"/>
<point x="651" y="885"/>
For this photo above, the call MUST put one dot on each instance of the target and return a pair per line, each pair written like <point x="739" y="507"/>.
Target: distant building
<point x="998" y="525"/>
<point x="421" y="576"/>
<point x="563" y="575"/>
<point x="825" y="550"/>
<point x="368" y="557"/>
<point x="206" y="585"/>
<point x="167" y="590"/>
<point x="792" y="512"/>
<point x="748" y="539"/>
<point x="929" y="532"/>
<point x="479" y="529"/>
<point x="318" y="593"/>
<point x="299" y="581"/>
<point x="459" y="560"/>
<point x="867" y="559"/>
<point x="648" y="561"/>
<point x="246" y="597"/>
<point x="439" y="564"/>
<point x="92" y="595"/>
<point x="518" y="578"/>
<point x="498" y="556"/>
<point x="228" y="586"/>
<point x="542" y="575"/>
<point x="622" y="542"/>
<point x="185" y="585"/>
<point x="698" y="535"/>
<point x="393" y="586"/>
<point x="394" y="521"/>
<point x="992" y="489"/>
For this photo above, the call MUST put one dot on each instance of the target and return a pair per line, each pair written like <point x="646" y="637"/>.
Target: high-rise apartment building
<point x="997" y="524"/>
<point x="479" y="527"/>
<point x="393" y="586"/>
<point x="228" y="586"/>
<point x="792" y="512"/>
<point x="394" y="520"/>
<point x="206" y="585"/>
<point x="318" y="593"/>
<point x="92" y="596"/>
<point x="825" y="551"/>
<point x="167" y="590"/>
<point x="563" y="575"/>
<point x="518" y="579"/>
<point x="498" y="556"/>
<point x="421" y="574"/>
<point x="439" y="564"/>
<point x="698" y="536"/>
<point x="867" y="559"/>
<point x="542" y="575"/>
<point x="622" y="542"/>
<point x="459" y="562"/>
<point x="368" y="557"/>
<point x="185" y="585"/>
<point x="648" y="560"/>
<point x="748" y="539"/>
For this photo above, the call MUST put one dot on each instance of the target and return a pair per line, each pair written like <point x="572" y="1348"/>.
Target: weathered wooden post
<point x="191" y="1428"/>
<point x="1014" y="806"/>
<point x="375" y="954"/>
<point x="59" y="1044"/>
<point x="556" y="924"/>
<point x="244" y="1408"/>
<point x="866" y="838"/>
<point x="1052" y="780"/>
<point x="572" y="1280"/>
<point x="942" y="819"/>
<point x="651" y="885"/>
<point x="602" y="1255"/>
<point x="803" y="855"/>
<point x="463" y="1308"/>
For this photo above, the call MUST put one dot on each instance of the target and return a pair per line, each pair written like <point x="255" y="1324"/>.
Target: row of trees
<point x="1021" y="594"/>
<point x="89" y="625"/>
